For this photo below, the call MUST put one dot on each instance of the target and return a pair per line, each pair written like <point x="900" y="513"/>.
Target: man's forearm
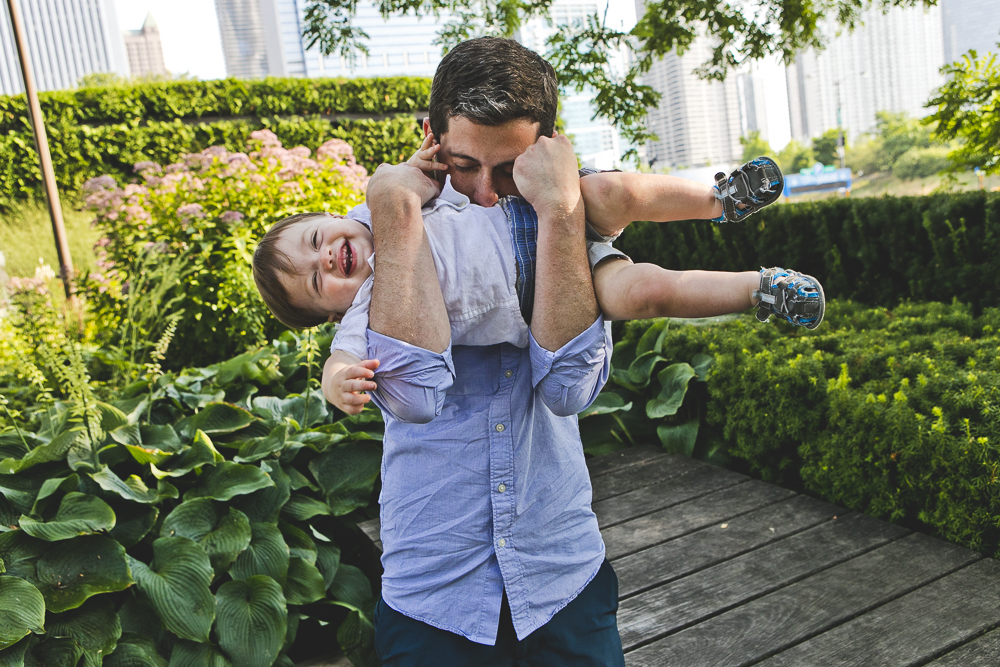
<point x="406" y="296"/>
<point x="565" y="304"/>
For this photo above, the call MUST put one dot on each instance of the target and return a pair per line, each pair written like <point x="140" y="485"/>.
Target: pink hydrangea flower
<point x="231" y="217"/>
<point x="267" y="138"/>
<point x="147" y="165"/>
<point x="191" y="211"/>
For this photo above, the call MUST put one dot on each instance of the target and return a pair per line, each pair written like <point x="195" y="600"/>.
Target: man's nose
<point x="486" y="193"/>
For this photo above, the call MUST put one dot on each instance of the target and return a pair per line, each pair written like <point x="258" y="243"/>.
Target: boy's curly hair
<point x="268" y="263"/>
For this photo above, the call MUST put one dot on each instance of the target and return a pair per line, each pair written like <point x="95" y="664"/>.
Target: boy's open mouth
<point x="347" y="259"/>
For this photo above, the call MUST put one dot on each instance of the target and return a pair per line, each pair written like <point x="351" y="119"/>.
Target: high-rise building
<point x="597" y="142"/>
<point x="970" y="24"/>
<point x="264" y="38"/>
<point x="890" y="63"/>
<point x="145" y="53"/>
<point x="67" y="39"/>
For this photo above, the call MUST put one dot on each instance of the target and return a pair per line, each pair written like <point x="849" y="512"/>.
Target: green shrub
<point x="921" y="162"/>
<point x="211" y="209"/>
<point x="893" y="413"/>
<point x="877" y="251"/>
<point x="195" y="518"/>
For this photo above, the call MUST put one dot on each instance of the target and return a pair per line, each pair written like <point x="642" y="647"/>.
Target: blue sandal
<point x="792" y="296"/>
<point x="754" y="185"/>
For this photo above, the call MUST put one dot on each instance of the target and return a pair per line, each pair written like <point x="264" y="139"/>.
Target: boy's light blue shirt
<point x="484" y="484"/>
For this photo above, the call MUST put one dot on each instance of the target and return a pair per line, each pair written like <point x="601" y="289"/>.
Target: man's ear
<point x="427" y="127"/>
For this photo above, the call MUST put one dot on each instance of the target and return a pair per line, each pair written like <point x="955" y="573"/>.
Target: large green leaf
<point x="252" y="621"/>
<point x="301" y="507"/>
<point x="265" y="505"/>
<point x="78" y="514"/>
<point x="22" y="610"/>
<point x="641" y="370"/>
<point x="356" y="636"/>
<point x="22" y="489"/>
<point x="191" y="654"/>
<point x="51" y="487"/>
<point x="679" y="439"/>
<point x="14" y="655"/>
<point x="94" y="626"/>
<point x="223" y="535"/>
<point x="328" y="562"/>
<point x="133" y="522"/>
<point x="71" y="571"/>
<point x="606" y="403"/>
<point x="133" y="488"/>
<point x="701" y="364"/>
<point x="298" y="541"/>
<point x="19" y="553"/>
<point x="227" y="480"/>
<point x="305" y="583"/>
<point x="55" y="450"/>
<point x="652" y="339"/>
<point x="54" y="651"/>
<point x="292" y="409"/>
<point x="267" y="554"/>
<point x="162" y="437"/>
<point x="350" y="585"/>
<point x="144" y="455"/>
<point x="255" y="449"/>
<point x="218" y="418"/>
<point x="8" y="515"/>
<point x="674" y="381"/>
<point x="177" y="586"/>
<point x="135" y="651"/>
<point x="200" y="453"/>
<point x="347" y="475"/>
<point x="111" y="417"/>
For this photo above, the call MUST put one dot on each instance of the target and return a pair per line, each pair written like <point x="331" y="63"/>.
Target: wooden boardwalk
<point x="718" y="569"/>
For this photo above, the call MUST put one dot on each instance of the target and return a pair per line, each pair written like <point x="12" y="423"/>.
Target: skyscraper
<point x="244" y="45"/>
<point x="67" y="39"/>
<point x="145" y="53"/>
<point x="890" y="63"/>
<point x="970" y="24"/>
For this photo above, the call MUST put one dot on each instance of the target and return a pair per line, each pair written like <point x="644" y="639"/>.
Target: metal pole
<point x="42" y="144"/>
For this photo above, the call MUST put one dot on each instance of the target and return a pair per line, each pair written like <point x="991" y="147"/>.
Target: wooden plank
<point x="709" y="546"/>
<point x="371" y="530"/>
<point x="912" y="629"/>
<point x="643" y="474"/>
<point x="624" y="458"/>
<point x="715" y="508"/>
<point x="982" y="652"/>
<point x="660" y="611"/>
<point x="792" y="614"/>
<point x="700" y="481"/>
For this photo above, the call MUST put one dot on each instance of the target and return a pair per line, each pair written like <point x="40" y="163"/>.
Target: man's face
<point x="480" y="158"/>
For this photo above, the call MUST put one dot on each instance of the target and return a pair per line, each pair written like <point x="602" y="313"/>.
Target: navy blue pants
<point x="583" y="634"/>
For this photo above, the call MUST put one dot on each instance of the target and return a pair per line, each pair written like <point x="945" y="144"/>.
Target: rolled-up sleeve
<point x="569" y="379"/>
<point x="412" y="382"/>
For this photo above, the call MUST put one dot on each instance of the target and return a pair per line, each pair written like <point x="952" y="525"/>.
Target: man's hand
<point x="346" y="378"/>
<point x="546" y="175"/>
<point x="399" y="183"/>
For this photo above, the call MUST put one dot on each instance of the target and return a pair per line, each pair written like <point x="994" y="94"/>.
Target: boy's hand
<point x="349" y="384"/>
<point x="546" y="175"/>
<point x="392" y="181"/>
<point x="423" y="159"/>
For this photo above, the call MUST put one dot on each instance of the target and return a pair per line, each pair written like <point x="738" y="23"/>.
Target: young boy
<point x="315" y="267"/>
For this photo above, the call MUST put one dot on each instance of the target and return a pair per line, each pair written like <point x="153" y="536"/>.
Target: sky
<point x="189" y="32"/>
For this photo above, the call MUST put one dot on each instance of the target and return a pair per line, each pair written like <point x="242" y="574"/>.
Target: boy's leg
<point x="627" y="291"/>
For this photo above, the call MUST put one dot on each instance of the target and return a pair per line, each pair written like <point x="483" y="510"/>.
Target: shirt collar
<point x="450" y="197"/>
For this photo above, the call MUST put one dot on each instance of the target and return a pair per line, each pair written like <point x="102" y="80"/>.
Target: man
<point x="492" y="554"/>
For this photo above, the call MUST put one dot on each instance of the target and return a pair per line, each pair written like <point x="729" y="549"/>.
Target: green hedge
<point x="889" y="412"/>
<point x="99" y="131"/>
<point x="877" y="251"/>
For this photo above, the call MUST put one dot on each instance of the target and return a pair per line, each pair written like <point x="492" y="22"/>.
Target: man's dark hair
<point x="491" y="81"/>
<point x="268" y="263"/>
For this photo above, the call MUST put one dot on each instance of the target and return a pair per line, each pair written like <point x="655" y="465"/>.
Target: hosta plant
<point x="196" y="519"/>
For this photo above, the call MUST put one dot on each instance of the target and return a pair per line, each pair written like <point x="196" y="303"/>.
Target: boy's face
<point x="480" y="158"/>
<point x="330" y="255"/>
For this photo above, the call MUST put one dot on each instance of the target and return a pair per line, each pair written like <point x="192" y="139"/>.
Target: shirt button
<point x="507" y="374"/>
<point x="500" y="428"/>
<point x="502" y="543"/>
<point x="502" y="488"/>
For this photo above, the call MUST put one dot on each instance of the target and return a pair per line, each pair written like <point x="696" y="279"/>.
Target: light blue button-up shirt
<point x="484" y="484"/>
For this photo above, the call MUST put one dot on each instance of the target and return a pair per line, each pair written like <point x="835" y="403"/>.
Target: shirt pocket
<point x="477" y="370"/>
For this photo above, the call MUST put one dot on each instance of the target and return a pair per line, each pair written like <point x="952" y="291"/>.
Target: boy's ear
<point x="334" y="317"/>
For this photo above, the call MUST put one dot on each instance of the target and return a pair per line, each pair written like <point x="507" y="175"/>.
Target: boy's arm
<point x="613" y="200"/>
<point x="345" y="377"/>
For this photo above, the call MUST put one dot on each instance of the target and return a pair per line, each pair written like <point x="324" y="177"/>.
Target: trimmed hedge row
<point x="889" y="412"/>
<point x="95" y="131"/>
<point x="877" y="251"/>
<point x="226" y="98"/>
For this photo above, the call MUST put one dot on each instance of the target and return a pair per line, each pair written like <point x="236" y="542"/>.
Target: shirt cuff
<point x="412" y="382"/>
<point x="574" y="360"/>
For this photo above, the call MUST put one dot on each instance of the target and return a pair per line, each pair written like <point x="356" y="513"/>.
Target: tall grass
<point x="26" y="235"/>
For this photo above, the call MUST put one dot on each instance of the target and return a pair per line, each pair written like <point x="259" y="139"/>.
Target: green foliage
<point x="95" y="131"/>
<point x="825" y="147"/>
<point x="155" y="524"/>
<point x="187" y="234"/>
<point x="754" y="146"/>
<point x="893" y="413"/>
<point x="902" y="145"/>
<point x="967" y="109"/>
<point x="794" y="156"/>
<point x="921" y="162"/>
<point x="876" y="251"/>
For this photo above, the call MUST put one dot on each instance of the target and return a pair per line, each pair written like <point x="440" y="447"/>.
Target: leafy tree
<point x="899" y="133"/>
<point x="583" y="53"/>
<point x="794" y="156"/>
<point x="968" y="109"/>
<point x="825" y="147"/>
<point x="754" y="146"/>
